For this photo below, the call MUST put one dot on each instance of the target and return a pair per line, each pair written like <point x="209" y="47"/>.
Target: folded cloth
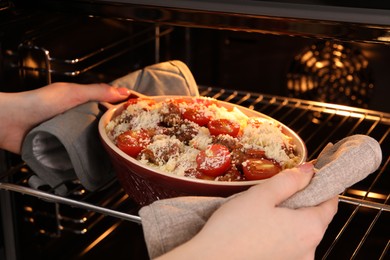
<point x="166" y="78"/>
<point x="169" y="223"/>
<point x="339" y="166"/>
<point x="67" y="147"/>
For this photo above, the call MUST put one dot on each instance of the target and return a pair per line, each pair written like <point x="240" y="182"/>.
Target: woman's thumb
<point x="286" y="183"/>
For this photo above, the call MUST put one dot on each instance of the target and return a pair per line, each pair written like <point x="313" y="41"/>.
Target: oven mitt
<point x="67" y="147"/>
<point x="166" y="78"/>
<point x="170" y="222"/>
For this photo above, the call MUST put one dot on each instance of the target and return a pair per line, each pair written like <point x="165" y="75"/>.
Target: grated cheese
<point x="175" y="156"/>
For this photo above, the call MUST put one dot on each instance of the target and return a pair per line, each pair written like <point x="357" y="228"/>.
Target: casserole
<point x="145" y="184"/>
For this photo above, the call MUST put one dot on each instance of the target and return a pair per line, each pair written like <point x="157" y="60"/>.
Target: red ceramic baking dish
<point x="145" y="184"/>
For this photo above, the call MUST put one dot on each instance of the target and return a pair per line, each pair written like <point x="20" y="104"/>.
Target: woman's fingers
<point x="319" y="218"/>
<point x="29" y="108"/>
<point x="283" y="185"/>
<point x="74" y="94"/>
<point x="326" y="210"/>
<point x="59" y="97"/>
<point x="103" y="92"/>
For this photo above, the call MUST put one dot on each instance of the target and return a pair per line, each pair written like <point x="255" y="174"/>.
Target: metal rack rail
<point x="318" y="124"/>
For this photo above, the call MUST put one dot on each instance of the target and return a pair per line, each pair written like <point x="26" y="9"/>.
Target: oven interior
<point x="324" y="88"/>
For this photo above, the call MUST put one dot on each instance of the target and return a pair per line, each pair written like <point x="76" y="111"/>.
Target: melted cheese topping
<point x="266" y="135"/>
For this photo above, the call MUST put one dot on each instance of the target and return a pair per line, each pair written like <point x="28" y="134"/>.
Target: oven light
<point x="79" y="192"/>
<point x="338" y="63"/>
<point x="311" y="62"/>
<point x="28" y="209"/>
<point x="30" y="62"/>
<point x="385" y="37"/>
<point x="321" y="64"/>
<point x="362" y="193"/>
<point x="337" y="53"/>
<point x="99" y="239"/>
<point x="374" y="195"/>
<point x="337" y="75"/>
<point x="306" y="56"/>
<point x="304" y="84"/>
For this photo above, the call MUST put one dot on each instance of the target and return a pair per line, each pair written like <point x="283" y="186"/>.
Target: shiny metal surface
<point x="58" y="199"/>
<point x="323" y="22"/>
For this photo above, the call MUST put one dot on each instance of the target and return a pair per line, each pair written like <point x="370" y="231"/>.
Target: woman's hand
<point x="20" y="112"/>
<point x="252" y="226"/>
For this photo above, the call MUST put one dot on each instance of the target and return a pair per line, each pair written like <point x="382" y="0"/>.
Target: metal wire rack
<point x="360" y="230"/>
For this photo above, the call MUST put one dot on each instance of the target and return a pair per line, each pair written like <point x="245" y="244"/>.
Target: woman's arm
<point x="252" y="226"/>
<point x="20" y="112"/>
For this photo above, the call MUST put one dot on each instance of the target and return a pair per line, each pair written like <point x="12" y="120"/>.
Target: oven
<point x="319" y="67"/>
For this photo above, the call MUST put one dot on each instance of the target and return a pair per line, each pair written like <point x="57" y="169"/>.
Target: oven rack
<point x="316" y="122"/>
<point x="49" y="64"/>
<point x="252" y="101"/>
<point x="43" y="47"/>
<point x="240" y="98"/>
<point x="50" y="197"/>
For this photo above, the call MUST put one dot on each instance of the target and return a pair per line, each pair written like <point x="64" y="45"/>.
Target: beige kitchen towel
<point x="339" y="166"/>
<point x="169" y="223"/>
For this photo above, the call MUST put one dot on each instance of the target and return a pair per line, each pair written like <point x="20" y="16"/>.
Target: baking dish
<point x="145" y="184"/>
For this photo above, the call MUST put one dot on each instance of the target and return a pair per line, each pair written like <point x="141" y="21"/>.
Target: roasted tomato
<point x="213" y="161"/>
<point x="255" y="153"/>
<point x="224" y="126"/>
<point x="258" y="169"/>
<point x="196" y="110"/>
<point x="132" y="142"/>
<point x="196" y="115"/>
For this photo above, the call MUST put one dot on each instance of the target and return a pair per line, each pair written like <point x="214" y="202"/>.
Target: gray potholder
<point x="169" y="223"/>
<point x="67" y="147"/>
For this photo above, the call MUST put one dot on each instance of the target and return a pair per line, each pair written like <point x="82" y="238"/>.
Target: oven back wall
<point x="227" y="59"/>
<point x="262" y="63"/>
